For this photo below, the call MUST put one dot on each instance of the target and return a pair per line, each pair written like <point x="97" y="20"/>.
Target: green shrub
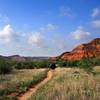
<point x="31" y="64"/>
<point x="96" y="61"/>
<point x="7" y="91"/>
<point x="7" y="98"/>
<point x="42" y="64"/>
<point x="63" y="63"/>
<point x="86" y="64"/>
<point x="24" y="65"/>
<point x="5" y="67"/>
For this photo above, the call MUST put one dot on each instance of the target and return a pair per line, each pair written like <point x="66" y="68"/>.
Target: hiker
<point x="52" y="66"/>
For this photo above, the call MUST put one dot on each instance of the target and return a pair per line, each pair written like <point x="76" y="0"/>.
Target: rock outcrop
<point x="91" y="49"/>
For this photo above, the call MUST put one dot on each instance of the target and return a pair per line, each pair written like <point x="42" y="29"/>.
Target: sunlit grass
<point x="18" y="76"/>
<point x="71" y="84"/>
<point x="19" y="81"/>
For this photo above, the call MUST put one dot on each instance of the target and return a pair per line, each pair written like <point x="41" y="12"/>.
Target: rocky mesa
<point x="88" y="50"/>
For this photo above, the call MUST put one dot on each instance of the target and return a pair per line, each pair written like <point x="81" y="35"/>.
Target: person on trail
<point x="52" y="66"/>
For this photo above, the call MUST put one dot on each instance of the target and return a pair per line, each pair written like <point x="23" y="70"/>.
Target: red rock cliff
<point x="91" y="49"/>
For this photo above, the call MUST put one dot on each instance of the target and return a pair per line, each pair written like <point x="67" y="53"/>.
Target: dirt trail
<point x="29" y="93"/>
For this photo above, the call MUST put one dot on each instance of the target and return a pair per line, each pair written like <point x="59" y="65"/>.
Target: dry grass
<point x="71" y="84"/>
<point x="18" y="76"/>
<point x="18" y="82"/>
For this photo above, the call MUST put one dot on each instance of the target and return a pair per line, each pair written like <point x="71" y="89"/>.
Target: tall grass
<point x="70" y="84"/>
<point x="19" y="82"/>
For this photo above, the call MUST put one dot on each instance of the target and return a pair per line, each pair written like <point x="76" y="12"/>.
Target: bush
<point x="5" y="67"/>
<point x="7" y="98"/>
<point x="41" y="64"/>
<point x="86" y="64"/>
<point x="31" y="64"/>
<point x="24" y="65"/>
<point x="63" y="63"/>
<point x="96" y="61"/>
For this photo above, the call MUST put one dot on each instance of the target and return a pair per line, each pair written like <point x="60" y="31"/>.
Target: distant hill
<point x="87" y="50"/>
<point x="22" y="58"/>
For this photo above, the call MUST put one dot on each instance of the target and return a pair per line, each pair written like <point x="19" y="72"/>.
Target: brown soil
<point x="32" y="90"/>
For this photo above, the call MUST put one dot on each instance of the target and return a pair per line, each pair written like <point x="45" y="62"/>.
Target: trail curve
<point x="32" y="90"/>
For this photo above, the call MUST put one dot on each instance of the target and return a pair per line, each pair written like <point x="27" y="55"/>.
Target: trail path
<point x="32" y="90"/>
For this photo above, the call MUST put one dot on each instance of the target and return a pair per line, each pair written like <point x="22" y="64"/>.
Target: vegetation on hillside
<point x="6" y="66"/>
<point x="86" y="63"/>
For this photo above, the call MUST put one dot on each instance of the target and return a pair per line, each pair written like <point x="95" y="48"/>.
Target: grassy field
<point x="19" y="81"/>
<point x="71" y="84"/>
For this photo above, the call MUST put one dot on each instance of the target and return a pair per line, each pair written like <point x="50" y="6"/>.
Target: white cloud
<point x="35" y="38"/>
<point x="54" y="44"/>
<point x="48" y="28"/>
<point x="38" y="40"/>
<point x="6" y="33"/>
<point x="95" y="12"/>
<point x="96" y="24"/>
<point x="80" y="34"/>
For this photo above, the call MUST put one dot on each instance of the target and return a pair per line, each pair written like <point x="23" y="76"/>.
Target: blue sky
<point x="47" y="27"/>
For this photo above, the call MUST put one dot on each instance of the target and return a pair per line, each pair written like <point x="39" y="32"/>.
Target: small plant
<point x="5" y="67"/>
<point x="96" y="61"/>
<point x="64" y="63"/>
<point x="86" y="64"/>
<point x="7" y="98"/>
<point x="31" y="64"/>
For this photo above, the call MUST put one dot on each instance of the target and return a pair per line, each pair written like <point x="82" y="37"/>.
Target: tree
<point x="5" y="67"/>
<point x="86" y="64"/>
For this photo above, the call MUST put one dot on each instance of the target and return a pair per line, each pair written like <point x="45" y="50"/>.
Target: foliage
<point x="5" y="67"/>
<point x="63" y="63"/>
<point x="31" y="64"/>
<point x="7" y="98"/>
<point x="83" y="63"/>
<point x="24" y="65"/>
<point x="86" y="64"/>
<point x="96" y="61"/>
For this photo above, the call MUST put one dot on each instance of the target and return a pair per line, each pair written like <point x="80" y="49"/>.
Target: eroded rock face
<point x="91" y="49"/>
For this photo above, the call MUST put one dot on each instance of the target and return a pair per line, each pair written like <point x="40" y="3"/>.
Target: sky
<point x="47" y="27"/>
